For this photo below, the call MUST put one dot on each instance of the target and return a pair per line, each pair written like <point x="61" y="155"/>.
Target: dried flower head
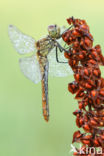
<point x="88" y="86"/>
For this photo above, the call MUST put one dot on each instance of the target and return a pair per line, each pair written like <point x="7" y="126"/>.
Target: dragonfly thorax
<point x="44" y="45"/>
<point x="54" y="31"/>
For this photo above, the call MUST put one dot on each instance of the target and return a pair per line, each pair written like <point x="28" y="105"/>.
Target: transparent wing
<point x="58" y="69"/>
<point x="30" y="68"/>
<point x="21" y="42"/>
<point x="62" y="29"/>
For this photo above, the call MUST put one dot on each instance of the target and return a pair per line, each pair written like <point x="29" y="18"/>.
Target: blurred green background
<point x="23" y="131"/>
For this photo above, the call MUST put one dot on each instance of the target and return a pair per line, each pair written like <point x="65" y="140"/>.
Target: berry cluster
<point x="88" y="86"/>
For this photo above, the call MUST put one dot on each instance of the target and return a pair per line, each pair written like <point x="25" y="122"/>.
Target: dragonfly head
<point x="54" y="31"/>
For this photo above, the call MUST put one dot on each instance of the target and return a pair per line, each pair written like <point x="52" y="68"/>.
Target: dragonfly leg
<point x="57" y="56"/>
<point x="60" y="47"/>
<point x="66" y="30"/>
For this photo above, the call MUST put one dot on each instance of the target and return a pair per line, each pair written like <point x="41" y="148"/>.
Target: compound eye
<point x="50" y="27"/>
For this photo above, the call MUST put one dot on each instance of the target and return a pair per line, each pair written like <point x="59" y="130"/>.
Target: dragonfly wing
<point x="63" y="28"/>
<point x="31" y="68"/>
<point x="21" y="42"/>
<point x="60" y="40"/>
<point x="58" y="69"/>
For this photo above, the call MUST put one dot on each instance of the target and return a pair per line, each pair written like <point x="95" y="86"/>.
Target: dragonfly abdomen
<point x="45" y="104"/>
<point x="44" y="65"/>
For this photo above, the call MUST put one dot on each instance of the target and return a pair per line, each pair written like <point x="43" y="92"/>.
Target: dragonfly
<point x="44" y="59"/>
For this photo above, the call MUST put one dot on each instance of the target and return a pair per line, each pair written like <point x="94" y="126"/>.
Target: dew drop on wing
<point x="30" y="68"/>
<point x="22" y="43"/>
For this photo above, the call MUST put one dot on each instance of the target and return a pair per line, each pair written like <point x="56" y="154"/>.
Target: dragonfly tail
<point x="44" y="66"/>
<point x="45" y="104"/>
